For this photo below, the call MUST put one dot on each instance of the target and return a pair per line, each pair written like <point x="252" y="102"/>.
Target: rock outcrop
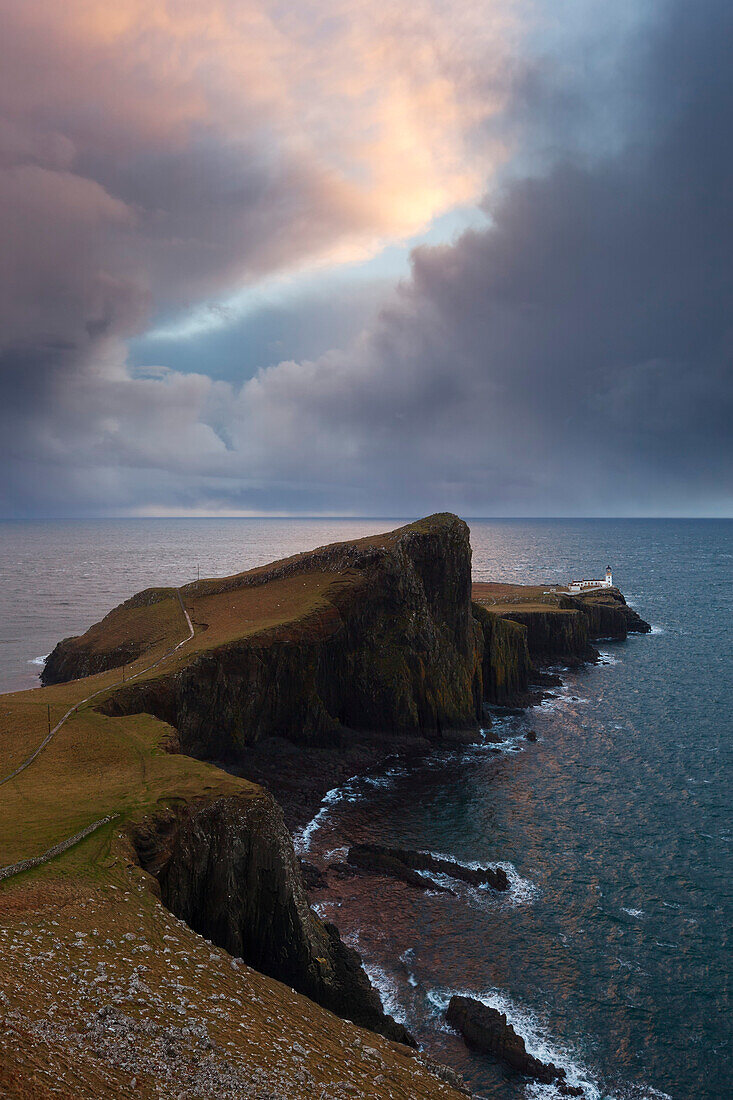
<point x="406" y="865"/>
<point x="556" y="636"/>
<point x="556" y="629"/>
<point x="228" y="869"/>
<point x="120" y="638"/>
<point x="608" y="614"/>
<point x="488" y="1030"/>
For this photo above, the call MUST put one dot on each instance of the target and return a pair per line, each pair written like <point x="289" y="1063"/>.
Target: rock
<point x="506" y="663"/>
<point x="228" y="869"/>
<point x="313" y="878"/>
<point x="403" y="863"/>
<point x="387" y="861"/>
<point x="531" y="735"/>
<point x="487" y="1030"/>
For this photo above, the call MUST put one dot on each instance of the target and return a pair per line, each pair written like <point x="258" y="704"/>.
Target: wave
<point x="40" y="661"/>
<point x="353" y="790"/>
<point x="303" y="837"/>
<point x="522" y="891"/>
<point x="635" y="913"/>
<point x="386" y="984"/>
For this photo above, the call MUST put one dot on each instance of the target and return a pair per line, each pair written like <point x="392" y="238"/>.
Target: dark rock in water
<point x="531" y="735"/>
<point x="402" y="863"/>
<point x="546" y="679"/>
<point x="387" y="861"/>
<point x="487" y="1030"/>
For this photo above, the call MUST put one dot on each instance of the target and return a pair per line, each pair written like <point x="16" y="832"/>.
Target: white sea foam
<point x="657" y="630"/>
<point x="39" y="660"/>
<point x="352" y="790"/>
<point x="607" y="658"/>
<point x="386" y="984"/>
<point x="635" y="913"/>
<point x="521" y="890"/>
<point x="303" y="837"/>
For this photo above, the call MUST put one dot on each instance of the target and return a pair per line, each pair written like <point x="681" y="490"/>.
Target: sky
<point x="333" y="257"/>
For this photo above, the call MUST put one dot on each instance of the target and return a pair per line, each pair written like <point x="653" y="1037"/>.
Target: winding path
<point x="75" y="708"/>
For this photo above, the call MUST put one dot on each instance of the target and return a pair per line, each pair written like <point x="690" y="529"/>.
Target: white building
<point x="585" y="586"/>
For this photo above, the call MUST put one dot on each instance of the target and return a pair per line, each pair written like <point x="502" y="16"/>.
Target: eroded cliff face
<point x="609" y="616"/>
<point x="397" y="650"/>
<point x="555" y="636"/>
<point x="228" y="869"/>
<point x="506" y="663"/>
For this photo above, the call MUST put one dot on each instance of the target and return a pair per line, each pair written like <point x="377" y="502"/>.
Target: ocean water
<point x="611" y="951"/>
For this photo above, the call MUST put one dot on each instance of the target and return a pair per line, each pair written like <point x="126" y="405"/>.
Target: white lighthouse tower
<point x="609" y="577"/>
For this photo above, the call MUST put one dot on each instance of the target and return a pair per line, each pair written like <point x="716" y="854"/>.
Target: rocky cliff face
<point x="555" y="636"/>
<point x="608" y="614"/>
<point x="506" y="664"/>
<point x="397" y="650"/>
<point x="227" y="868"/>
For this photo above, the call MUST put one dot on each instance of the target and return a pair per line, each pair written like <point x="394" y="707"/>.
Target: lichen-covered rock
<point x="228" y="869"/>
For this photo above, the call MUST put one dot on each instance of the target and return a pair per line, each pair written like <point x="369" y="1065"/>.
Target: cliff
<point x="559" y="629"/>
<point x="376" y="634"/>
<point x="227" y="868"/>
<point x="506" y="664"/>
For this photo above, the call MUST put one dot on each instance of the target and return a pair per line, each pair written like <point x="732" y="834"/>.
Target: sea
<point x="610" y="953"/>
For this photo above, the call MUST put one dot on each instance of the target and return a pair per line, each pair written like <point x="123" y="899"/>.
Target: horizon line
<point x="342" y="516"/>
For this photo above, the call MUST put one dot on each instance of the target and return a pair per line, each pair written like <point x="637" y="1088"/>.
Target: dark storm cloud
<point x="576" y="355"/>
<point x="157" y="153"/>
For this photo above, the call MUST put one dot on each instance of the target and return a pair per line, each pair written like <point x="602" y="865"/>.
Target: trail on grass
<point x="72" y="710"/>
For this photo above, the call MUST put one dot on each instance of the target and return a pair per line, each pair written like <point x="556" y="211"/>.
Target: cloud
<point x="573" y="357"/>
<point x="155" y="154"/>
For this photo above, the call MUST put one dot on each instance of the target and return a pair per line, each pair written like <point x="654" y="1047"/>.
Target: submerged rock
<point x="404" y="863"/>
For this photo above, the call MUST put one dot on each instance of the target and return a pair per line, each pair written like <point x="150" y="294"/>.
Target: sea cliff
<point x="296" y="675"/>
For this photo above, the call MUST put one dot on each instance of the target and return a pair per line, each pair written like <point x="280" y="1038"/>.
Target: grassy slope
<point x="97" y="765"/>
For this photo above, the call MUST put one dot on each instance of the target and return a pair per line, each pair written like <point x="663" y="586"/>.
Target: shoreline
<point x="383" y="972"/>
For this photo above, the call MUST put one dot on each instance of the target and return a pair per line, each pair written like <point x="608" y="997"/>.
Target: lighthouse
<point x="609" y="577"/>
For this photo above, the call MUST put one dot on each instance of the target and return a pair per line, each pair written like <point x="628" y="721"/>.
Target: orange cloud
<point x="377" y="107"/>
